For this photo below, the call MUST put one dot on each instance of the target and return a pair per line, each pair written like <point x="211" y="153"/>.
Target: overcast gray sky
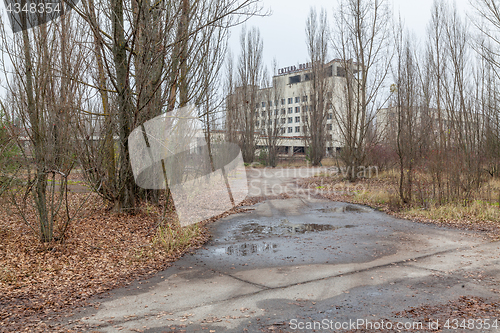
<point x="283" y="32"/>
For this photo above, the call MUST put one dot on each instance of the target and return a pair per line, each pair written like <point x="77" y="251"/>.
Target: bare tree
<point x="434" y="74"/>
<point x="361" y="42"/>
<point x="488" y="89"/>
<point x="440" y="113"/>
<point x="488" y="23"/>
<point x="488" y="47"/>
<point x="408" y="115"/>
<point x="209" y="101"/>
<point x="319" y="85"/>
<point x="243" y="99"/>
<point x="273" y="120"/>
<point x="148" y="62"/>
<point x="464" y="120"/>
<point x="45" y="102"/>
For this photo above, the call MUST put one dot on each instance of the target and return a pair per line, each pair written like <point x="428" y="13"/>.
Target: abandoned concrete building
<point x="286" y="105"/>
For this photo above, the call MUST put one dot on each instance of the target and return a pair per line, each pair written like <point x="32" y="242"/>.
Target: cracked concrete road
<point x="303" y="259"/>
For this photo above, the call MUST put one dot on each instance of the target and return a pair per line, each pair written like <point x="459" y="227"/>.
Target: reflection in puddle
<point x="286" y="227"/>
<point x="255" y="228"/>
<point x="309" y="227"/>
<point x="247" y="249"/>
<point x="344" y="209"/>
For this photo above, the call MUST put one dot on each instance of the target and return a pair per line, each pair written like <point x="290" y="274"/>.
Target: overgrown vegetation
<point x="172" y="237"/>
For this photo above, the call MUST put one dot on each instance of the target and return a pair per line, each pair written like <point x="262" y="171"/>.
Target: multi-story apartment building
<point x="286" y="107"/>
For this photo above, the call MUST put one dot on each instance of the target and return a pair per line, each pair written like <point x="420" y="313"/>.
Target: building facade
<point x="284" y="109"/>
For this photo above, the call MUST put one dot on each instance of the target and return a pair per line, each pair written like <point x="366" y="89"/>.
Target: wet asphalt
<point x="284" y="264"/>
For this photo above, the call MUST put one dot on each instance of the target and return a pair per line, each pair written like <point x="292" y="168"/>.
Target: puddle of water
<point x="350" y="208"/>
<point x="286" y="227"/>
<point x="313" y="227"/>
<point x="255" y="228"/>
<point x="310" y="227"/>
<point x="343" y="209"/>
<point x="247" y="249"/>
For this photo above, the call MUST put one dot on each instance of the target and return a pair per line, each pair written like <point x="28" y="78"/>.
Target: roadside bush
<point x="173" y="237"/>
<point x="263" y="157"/>
<point x="382" y="156"/>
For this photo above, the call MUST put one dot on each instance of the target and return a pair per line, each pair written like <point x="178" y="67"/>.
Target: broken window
<point x="329" y="71"/>
<point x="341" y="71"/>
<point x="294" y="79"/>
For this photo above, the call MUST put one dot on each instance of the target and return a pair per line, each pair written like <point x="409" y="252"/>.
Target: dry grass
<point x="476" y="211"/>
<point x="173" y="237"/>
<point x="375" y="195"/>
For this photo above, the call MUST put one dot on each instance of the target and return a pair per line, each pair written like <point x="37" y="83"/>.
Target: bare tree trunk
<point x="36" y="118"/>
<point x="408" y="114"/>
<point x="183" y="73"/>
<point x="244" y="100"/>
<point x="273" y="120"/>
<point x="319" y="87"/>
<point x="108" y="146"/>
<point x="126" y="194"/>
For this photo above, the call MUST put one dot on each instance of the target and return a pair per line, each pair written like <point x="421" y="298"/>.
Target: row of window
<point x="290" y="129"/>
<point x="283" y="121"/>
<point x="305" y="108"/>
<point x="290" y="101"/>
<point x="297" y="130"/>
<point x="290" y="110"/>
<point x="290" y="121"/>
